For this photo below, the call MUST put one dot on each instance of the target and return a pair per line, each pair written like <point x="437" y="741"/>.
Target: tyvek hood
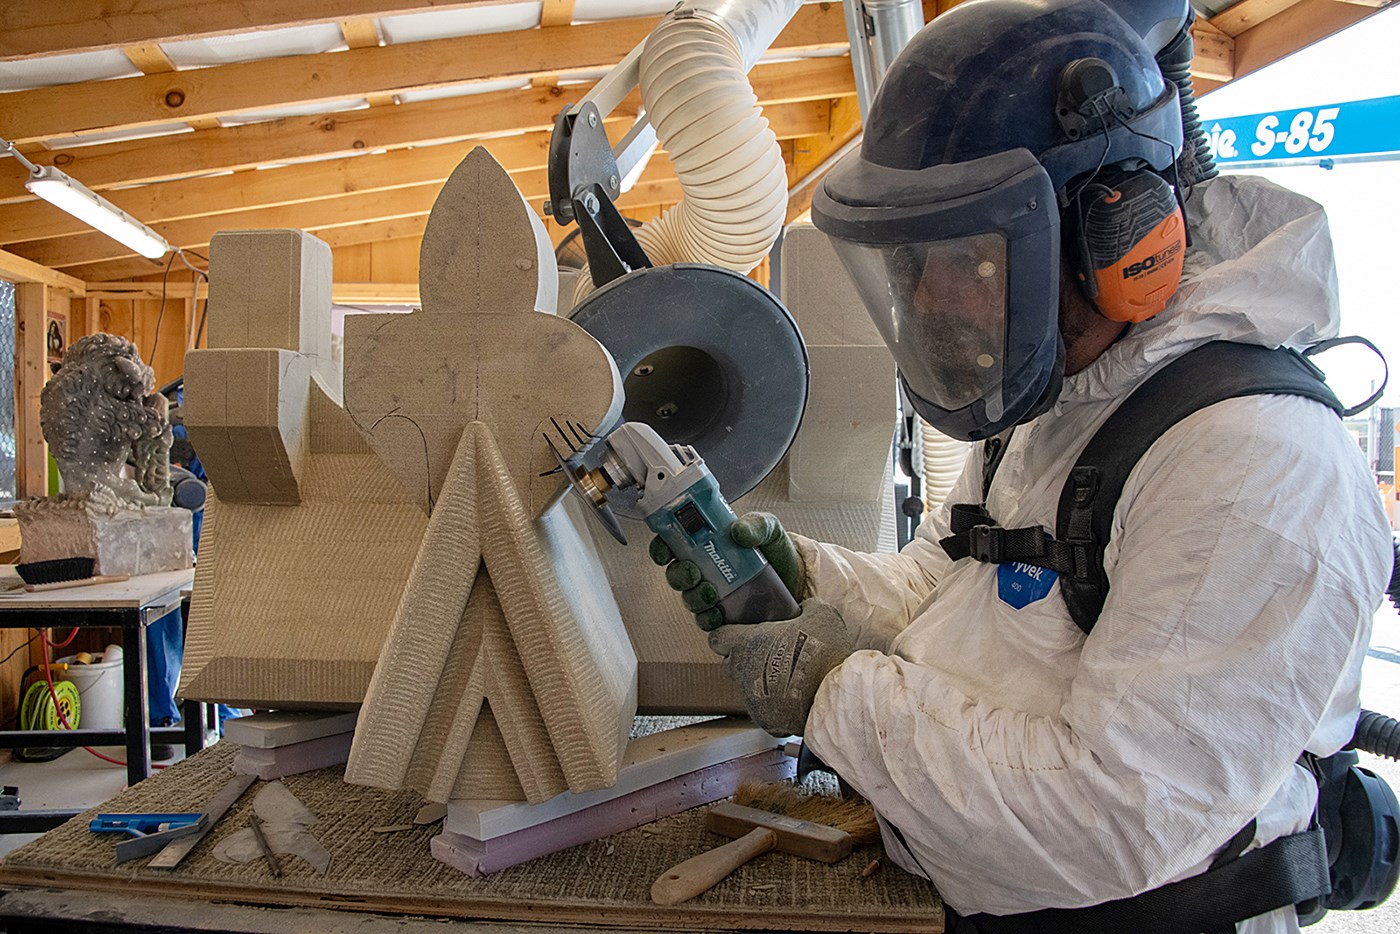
<point x="1260" y="270"/>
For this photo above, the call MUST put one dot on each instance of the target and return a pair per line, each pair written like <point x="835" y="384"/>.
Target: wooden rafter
<point x="1246" y="14"/>
<point x="300" y="138"/>
<point x="813" y="157"/>
<point x="646" y="194"/>
<point x="360" y="33"/>
<point x="150" y="59"/>
<point x="360" y="207"/>
<point x="1215" y="53"/>
<point x="194" y="197"/>
<point x="91" y="106"/>
<point x="1292" y="29"/>
<point x="18" y="269"/>
<point x="557" y="13"/>
<point x="49" y="27"/>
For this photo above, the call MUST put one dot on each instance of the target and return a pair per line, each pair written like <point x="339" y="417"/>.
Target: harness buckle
<point x="986" y="543"/>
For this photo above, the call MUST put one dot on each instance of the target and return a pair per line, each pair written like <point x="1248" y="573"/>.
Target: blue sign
<point x="1350" y="131"/>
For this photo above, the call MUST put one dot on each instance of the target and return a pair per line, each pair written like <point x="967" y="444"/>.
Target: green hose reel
<point x="38" y="712"/>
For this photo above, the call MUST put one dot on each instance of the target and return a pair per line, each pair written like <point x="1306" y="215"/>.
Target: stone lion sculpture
<point x="100" y="412"/>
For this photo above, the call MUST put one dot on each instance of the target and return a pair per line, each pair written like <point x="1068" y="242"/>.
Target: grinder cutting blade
<point x="591" y="488"/>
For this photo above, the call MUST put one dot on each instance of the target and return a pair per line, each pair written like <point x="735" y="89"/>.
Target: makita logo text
<point x="1151" y="262"/>
<point x="720" y="563"/>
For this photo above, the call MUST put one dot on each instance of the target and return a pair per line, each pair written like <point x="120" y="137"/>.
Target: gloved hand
<point x="778" y="666"/>
<point x="760" y="530"/>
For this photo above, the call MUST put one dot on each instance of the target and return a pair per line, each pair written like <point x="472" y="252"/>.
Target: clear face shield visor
<point x="941" y="307"/>
<point x="958" y="266"/>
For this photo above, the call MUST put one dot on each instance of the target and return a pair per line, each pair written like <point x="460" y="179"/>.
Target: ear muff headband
<point x="1131" y="244"/>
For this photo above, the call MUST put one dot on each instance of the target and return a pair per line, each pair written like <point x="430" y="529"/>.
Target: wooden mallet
<point x="757" y="832"/>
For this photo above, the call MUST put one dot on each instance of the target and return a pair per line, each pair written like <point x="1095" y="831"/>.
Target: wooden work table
<point x="379" y="881"/>
<point x="129" y="605"/>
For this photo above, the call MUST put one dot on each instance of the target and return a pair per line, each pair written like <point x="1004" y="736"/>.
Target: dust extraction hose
<point x="942" y="459"/>
<point x="1376" y="733"/>
<point x="695" y="87"/>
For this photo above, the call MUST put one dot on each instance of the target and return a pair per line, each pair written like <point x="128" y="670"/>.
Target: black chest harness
<point x="1083" y="524"/>
<point x="1293" y="870"/>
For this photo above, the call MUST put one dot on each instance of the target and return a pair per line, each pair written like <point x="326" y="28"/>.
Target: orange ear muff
<point x="1132" y="245"/>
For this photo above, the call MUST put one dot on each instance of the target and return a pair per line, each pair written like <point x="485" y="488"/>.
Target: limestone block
<point x="272" y="289"/>
<point x="246" y="413"/>
<point x="122" y="540"/>
<point x="484" y="249"/>
<point x="532" y="636"/>
<point x="293" y="603"/>
<point x="507" y="672"/>
<point x="842" y="451"/>
<point x="459" y="371"/>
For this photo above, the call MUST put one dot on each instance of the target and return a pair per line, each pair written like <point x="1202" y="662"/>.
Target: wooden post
<point x="92" y="316"/>
<point x="31" y="303"/>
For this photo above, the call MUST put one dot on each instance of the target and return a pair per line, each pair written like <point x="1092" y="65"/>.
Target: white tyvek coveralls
<point x="1029" y="766"/>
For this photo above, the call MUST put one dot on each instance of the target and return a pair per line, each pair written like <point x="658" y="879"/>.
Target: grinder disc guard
<point x="708" y="358"/>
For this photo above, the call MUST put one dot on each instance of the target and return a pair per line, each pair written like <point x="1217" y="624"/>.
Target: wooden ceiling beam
<point x="61" y="111"/>
<point x="51" y="27"/>
<point x="301" y="138"/>
<point x="1215" y="53"/>
<point x="362" y="33"/>
<point x="1293" y="29"/>
<point x="557" y="13"/>
<point x="360" y="207"/>
<point x="151" y="59"/>
<point x="195" y="197"/>
<point x="645" y="194"/>
<point x="18" y="269"/>
<point x="1246" y="14"/>
<point x="813" y="157"/>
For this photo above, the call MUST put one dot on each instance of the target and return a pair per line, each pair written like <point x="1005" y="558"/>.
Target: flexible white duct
<point x="943" y="458"/>
<point x="695" y="87"/>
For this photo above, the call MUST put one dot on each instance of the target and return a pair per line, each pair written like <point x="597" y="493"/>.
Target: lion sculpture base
<point x="122" y="539"/>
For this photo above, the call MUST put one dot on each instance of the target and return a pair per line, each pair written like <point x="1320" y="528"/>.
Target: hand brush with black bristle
<point x="62" y="573"/>
<point x="769" y="817"/>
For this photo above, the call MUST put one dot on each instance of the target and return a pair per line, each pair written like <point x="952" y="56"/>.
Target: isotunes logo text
<point x="1147" y="265"/>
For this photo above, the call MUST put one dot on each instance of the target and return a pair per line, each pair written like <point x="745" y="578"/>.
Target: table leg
<point x="194" y="726"/>
<point x="137" y="718"/>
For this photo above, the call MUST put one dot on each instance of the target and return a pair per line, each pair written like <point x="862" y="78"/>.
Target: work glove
<point x="778" y="666"/>
<point x="760" y="530"/>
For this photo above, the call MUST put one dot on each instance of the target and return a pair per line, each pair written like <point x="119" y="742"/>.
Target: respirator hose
<point x="1376" y="733"/>
<point x="1196" y="163"/>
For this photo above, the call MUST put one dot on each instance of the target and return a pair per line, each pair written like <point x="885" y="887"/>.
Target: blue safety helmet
<point x="948" y="217"/>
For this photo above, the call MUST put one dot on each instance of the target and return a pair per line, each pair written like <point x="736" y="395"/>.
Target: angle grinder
<point x="631" y="471"/>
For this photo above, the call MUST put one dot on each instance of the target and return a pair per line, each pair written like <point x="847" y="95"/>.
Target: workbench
<point x="379" y="882"/>
<point x="129" y="605"/>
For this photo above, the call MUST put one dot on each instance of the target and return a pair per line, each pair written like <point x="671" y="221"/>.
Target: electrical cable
<point x="160" y="315"/>
<point x="53" y="696"/>
<point x="164" y="286"/>
<point x="21" y="647"/>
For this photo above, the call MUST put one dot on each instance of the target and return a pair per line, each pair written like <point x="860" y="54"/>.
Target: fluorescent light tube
<point x="69" y="194"/>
